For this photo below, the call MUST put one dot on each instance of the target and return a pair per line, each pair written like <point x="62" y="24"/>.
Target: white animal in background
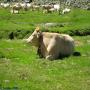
<point x="46" y="7"/>
<point x="66" y="10"/>
<point x="29" y="5"/>
<point x="23" y="4"/>
<point x="36" y="7"/>
<point x="16" y="8"/>
<point x="52" y="10"/>
<point x="5" y="5"/>
<point x="56" y="7"/>
<point x="15" y="11"/>
<point x="49" y="10"/>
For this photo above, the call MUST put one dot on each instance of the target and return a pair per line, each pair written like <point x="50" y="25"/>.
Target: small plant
<point x="2" y="55"/>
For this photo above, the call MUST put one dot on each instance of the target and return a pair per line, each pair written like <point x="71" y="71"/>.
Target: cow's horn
<point x="37" y="29"/>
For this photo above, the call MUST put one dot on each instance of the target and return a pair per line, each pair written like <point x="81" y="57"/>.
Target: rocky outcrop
<point x="84" y="4"/>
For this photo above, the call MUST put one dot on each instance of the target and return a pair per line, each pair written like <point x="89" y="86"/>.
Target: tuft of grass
<point x="23" y="69"/>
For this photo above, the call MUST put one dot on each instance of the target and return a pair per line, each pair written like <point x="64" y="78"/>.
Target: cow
<point x="57" y="7"/>
<point x="16" y="8"/>
<point x="66" y="10"/>
<point x="52" y="45"/>
<point x="5" y="5"/>
<point x="49" y="10"/>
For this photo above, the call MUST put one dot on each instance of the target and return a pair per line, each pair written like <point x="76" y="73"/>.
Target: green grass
<point x="20" y="24"/>
<point x="20" y="66"/>
<point x="22" y="69"/>
<point x="76" y="19"/>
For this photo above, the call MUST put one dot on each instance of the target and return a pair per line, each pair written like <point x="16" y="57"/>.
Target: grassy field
<point x="22" y="69"/>
<point x="76" y="20"/>
<point x="20" y="66"/>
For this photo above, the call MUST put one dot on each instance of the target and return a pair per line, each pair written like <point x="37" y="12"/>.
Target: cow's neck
<point x="39" y="51"/>
<point x="40" y="39"/>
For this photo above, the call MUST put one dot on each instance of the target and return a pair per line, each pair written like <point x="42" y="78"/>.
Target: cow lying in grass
<point x="52" y="45"/>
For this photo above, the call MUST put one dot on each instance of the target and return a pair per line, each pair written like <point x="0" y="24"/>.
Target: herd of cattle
<point x="52" y="45"/>
<point x="46" y="8"/>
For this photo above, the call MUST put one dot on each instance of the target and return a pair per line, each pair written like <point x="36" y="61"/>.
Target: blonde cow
<point x="52" y="45"/>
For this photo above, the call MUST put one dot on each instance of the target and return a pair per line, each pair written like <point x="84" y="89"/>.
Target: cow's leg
<point x="39" y="52"/>
<point x="50" y="57"/>
<point x="52" y="52"/>
<point x="18" y="11"/>
<point x="13" y="10"/>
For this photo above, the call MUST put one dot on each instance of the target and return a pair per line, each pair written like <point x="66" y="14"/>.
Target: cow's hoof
<point x="49" y="57"/>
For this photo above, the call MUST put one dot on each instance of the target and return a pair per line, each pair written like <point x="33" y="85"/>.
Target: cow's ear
<point x="38" y="34"/>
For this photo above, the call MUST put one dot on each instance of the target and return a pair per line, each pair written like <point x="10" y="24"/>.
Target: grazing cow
<point x="49" y="10"/>
<point x="57" y="7"/>
<point x="52" y="45"/>
<point x="14" y="11"/>
<point x="46" y="8"/>
<point x="35" y="7"/>
<point x="66" y="10"/>
<point x="5" y="5"/>
<point x="26" y="6"/>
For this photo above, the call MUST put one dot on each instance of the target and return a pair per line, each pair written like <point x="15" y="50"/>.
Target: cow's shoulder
<point x="50" y="35"/>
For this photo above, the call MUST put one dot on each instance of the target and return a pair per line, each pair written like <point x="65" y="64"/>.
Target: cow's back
<point x="64" y="44"/>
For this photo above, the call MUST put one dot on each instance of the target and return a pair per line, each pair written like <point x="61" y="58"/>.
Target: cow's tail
<point x="76" y="53"/>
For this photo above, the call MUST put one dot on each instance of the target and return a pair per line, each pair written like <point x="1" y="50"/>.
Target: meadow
<point x="74" y="23"/>
<point x="20" y="66"/>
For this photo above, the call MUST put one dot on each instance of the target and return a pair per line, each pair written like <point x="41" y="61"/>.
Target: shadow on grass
<point x="61" y="57"/>
<point x="8" y="88"/>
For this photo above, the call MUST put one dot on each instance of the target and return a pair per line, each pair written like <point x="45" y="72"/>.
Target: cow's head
<point x="34" y="38"/>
